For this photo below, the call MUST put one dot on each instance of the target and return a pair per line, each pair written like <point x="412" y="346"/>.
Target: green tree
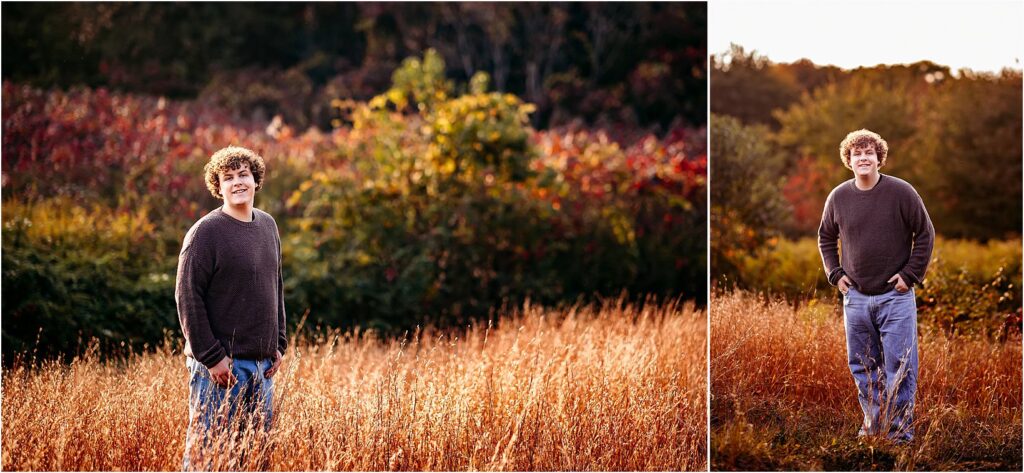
<point x="749" y="87"/>
<point x="429" y="221"/>
<point x="747" y="207"/>
<point x="970" y="151"/>
<point x="816" y="124"/>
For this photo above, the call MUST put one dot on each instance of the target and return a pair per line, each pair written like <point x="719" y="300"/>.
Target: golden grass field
<point x="783" y="397"/>
<point x="609" y="387"/>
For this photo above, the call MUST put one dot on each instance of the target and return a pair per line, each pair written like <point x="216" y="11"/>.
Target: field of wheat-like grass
<point x="783" y="397"/>
<point x="603" y="387"/>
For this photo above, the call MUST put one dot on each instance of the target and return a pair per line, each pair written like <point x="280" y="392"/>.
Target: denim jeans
<point x="881" y="346"/>
<point x="213" y="408"/>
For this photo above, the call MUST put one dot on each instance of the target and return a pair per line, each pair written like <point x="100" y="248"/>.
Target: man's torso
<point x="241" y="296"/>
<point x="875" y="235"/>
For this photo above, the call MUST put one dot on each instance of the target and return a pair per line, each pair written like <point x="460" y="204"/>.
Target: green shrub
<point x="970" y="287"/>
<point x="973" y="288"/>
<point x="442" y="206"/>
<point x="746" y="206"/>
<point x="72" y="273"/>
<point x="789" y="267"/>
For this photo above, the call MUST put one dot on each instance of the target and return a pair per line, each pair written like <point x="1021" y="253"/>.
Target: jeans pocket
<point x="908" y="292"/>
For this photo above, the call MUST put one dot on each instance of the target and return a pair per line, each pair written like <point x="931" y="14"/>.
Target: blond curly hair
<point x="230" y="159"/>
<point x="859" y="139"/>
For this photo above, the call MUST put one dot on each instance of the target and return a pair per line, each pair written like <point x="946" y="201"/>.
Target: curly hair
<point x="229" y="159"/>
<point x="859" y="139"/>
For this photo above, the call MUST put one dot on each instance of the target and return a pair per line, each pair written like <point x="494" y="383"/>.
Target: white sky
<point x="984" y="35"/>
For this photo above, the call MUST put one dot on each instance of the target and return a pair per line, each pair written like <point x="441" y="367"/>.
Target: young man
<point x="230" y="298"/>
<point x="887" y="239"/>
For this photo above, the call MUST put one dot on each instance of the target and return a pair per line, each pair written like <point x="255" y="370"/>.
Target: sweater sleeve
<point x="828" y="243"/>
<point x="195" y="267"/>
<point x="282" y="335"/>
<point x="916" y="217"/>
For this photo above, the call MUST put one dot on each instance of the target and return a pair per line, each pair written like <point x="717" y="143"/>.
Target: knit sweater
<point x="229" y="288"/>
<point x="884" y="231"/>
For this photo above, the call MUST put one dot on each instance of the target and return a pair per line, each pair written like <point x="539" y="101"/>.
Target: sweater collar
<point x="853" y="185"/>
<point x="254" y="223"/>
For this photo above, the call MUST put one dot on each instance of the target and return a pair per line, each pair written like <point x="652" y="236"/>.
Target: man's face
<point x="238" y="186"/>
<point x="863" y="160"/>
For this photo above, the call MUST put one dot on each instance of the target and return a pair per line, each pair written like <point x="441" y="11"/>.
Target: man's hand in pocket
<point x="273" y="368"/>
<point x="844" y="284"/>
<point x="901" y="286"/>
<point x="221" y="373"/>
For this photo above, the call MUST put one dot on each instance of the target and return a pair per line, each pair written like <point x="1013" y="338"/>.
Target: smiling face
<point x="237" y="186"/>
<point x="864" y="160"/>
<point x="863" y="144"/>
<point x="230" y="161"/>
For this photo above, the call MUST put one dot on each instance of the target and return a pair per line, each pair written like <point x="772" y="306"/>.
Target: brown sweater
<point x="229" y="288"/>
<point x="884" y="230"/>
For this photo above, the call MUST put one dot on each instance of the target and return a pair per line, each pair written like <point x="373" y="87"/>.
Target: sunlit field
<point x="783" y="397"/>
<point x="610" y="387"/>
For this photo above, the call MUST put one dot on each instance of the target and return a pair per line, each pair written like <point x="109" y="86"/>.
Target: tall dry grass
<point x="783" y="396"/>
<point x="613" y="387"/>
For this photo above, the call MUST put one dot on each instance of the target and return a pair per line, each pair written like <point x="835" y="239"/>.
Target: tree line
<point x="955" y="135"/>
<point x="638" y="65"/>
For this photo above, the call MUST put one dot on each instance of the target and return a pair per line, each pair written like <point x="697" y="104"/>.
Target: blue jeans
<point x="881" y="346"/>
<point x="213" y="408"/>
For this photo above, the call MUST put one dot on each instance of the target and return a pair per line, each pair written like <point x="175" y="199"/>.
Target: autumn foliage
<point x="432" y="202"/>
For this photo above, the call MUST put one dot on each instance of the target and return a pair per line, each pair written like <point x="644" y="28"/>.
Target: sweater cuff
<point x="836" y="275"/>
<point x="908" y="277"/>
<point x="212" y="356"/>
